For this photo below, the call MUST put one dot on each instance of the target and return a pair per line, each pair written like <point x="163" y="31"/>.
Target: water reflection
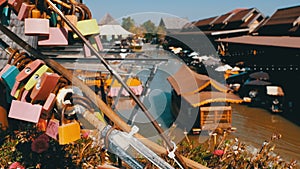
<point x="255" y="125"/>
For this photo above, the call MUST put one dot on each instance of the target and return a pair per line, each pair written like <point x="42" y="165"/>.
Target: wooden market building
<point x="200" y="102"/>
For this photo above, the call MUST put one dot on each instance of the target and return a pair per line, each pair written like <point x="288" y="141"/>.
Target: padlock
<point x="35" y="77"/>
<point x="35" y="24"/>
<point x="9" y="76"/>
<point x="24" y="95"/>
<point x="4" y="69"/>
<point x="15" y="5"/>
<point x="35" y="13"/>
<point x="26" y="73"/>
<point x="42" y="125"/>
<point x="25" y="111"/>
<point x="96" y="43"/>
<point x="87" y="27"/>
<point x="5" y="17"/>
<point x="56" y="37"/>
<point x="3" y="118"/>
<point x="71" y="17"/>
<point x="53" y="19"/>
<point x="52" y="128"/>
<point x="24" y="10"/>
<point x="2" y="2"/>
<point x="68" y="132"/>
<point x="48" y="106"/>
<point x="44" y="86"/>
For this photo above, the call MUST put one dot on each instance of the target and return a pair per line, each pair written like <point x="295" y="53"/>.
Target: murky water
<point x="254" y="125"/>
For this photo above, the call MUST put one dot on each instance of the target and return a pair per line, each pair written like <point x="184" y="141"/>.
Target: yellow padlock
<point x="35" y="77"/>
<point x="87" y="27"/>
<point x="68" y="132"/>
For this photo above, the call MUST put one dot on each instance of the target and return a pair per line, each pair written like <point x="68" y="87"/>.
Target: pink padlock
<point x="6" y="67"/>
<point x="52" y="128"/>
<point x="96" y="43"/>
<point x="44" y="86"/>
<point x="57" y="37"/>
<point x="36" y="26"/>
<point x="48" y="106"/>
<point x="24" y="11"/>
<point x="25" y="111"/>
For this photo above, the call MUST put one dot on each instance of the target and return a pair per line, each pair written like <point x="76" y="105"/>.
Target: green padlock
<point x="53" y="19"/>
<point x="5" y="17"/>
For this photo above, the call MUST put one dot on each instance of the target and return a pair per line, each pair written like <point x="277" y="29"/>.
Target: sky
<point x="143" y="10"/>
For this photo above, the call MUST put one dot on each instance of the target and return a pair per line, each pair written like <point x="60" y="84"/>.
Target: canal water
<point x="254" y="125"/>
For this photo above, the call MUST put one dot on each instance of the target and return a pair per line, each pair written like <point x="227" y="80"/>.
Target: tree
<point x="128" y="23"/>
<point x="161" y="32"/>
<point x="149" y="26"/>
<point x="150" y="30"/>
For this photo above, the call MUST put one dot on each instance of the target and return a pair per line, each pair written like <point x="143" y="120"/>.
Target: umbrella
<point x="257" y="83"/>
<point x="223" y="68"/>
<point x="193" y="54"/>
<point x="260" y="75"/>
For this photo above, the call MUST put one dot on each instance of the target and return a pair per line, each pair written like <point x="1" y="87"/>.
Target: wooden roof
<point x="235" y="19"/>
<point x="283" y="20"/>
<point x="204" y="22"/>
<point x="206" y="97"/>
<point x="278" y="41"/>
<point x="239" y="15"/>
<point x="220" y="19"/>
<point x="186" y="81"/>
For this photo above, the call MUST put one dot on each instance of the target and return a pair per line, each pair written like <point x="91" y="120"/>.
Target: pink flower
<point x="40" y="144"/>
<point x="16" y="165"/>
<point x="85" y="134"/>
<point x="218" y="152"/>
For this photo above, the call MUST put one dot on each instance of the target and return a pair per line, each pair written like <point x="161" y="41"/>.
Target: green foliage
<point x="128" y="23"/>
<point x="149" y="26"/>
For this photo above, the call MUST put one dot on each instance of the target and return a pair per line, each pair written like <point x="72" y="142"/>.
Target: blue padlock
<point x="9" y="77"/>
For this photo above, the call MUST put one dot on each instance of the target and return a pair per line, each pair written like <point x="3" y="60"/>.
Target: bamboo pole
<point x="93" y="96"/>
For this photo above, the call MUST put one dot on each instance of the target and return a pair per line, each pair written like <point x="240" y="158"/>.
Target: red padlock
<point x="25" y="73"/>
<point x="2" y="2"/>
<point x="44" y="86"/>
<point x="48" y="106"/>
<point x="15" y="5"/>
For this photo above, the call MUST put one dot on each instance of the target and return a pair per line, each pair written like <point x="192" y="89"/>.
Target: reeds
<point x="220" y="151"/>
